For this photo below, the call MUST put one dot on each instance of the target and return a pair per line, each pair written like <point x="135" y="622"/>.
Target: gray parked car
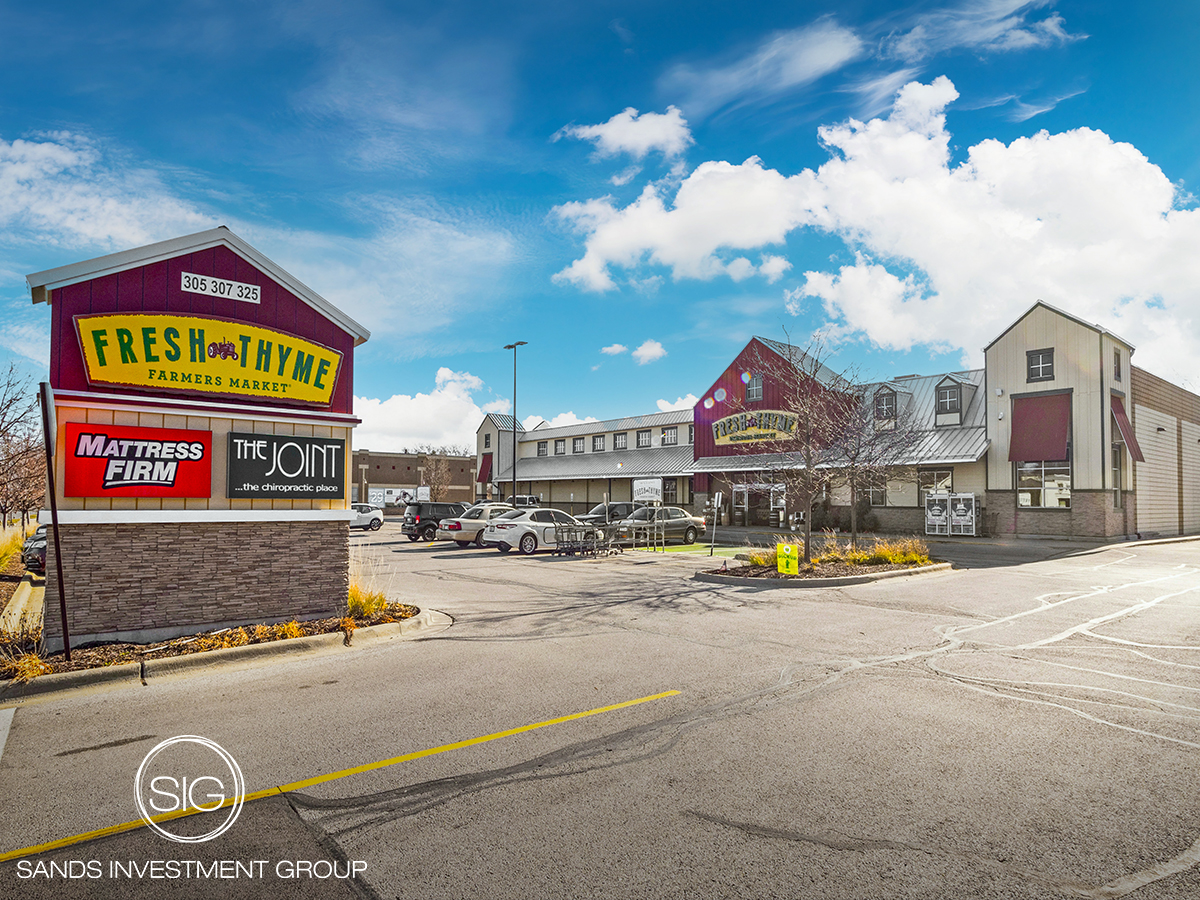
<point x="468" y="528"/>
<point x="607" y="513"/>
<point x="677" y="524"/>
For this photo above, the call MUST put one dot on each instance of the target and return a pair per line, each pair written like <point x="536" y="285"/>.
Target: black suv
<point x="421" y="518"/>
<point x="607" y="513"/>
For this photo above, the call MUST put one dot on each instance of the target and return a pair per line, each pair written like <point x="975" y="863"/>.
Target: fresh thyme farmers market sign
<point x="205" y="354"/>
<point x="750" y="427"/>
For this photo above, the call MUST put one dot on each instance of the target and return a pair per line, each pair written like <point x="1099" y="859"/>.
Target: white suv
<point x="366" y="517"/>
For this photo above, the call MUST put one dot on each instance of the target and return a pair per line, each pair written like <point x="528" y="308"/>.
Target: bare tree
<point x="20" y="440"/>
<point x="437" y="476"/>
<point x="875" y="442"/>
<point x="817" y="404"/>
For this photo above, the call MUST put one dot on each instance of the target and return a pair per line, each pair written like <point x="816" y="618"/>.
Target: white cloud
<point x="614" y="349"/>
<point x="446" y="416"/>
<point x="682" y="403"/>
<point x="996" y="26"/>
<point x="635" y="134"/>
<point x="780" y="64"/>
<point x="414" y="269"/>
<point x="773" y="267"/>
<point x="648" y="352"/>
<point x="945" y="255"/>
<point x="63" y="189"/>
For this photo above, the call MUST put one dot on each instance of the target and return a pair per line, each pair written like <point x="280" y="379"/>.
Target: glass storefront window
<point x="1044" y="484"/>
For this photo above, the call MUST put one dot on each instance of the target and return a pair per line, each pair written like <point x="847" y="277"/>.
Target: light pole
<point x="513" y="347"/>
<point x="362" y="493"/>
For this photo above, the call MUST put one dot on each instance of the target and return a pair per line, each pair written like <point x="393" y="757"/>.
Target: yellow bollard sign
<point x="788" y="558"/>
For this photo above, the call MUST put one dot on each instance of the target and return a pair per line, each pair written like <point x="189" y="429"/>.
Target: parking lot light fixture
<point x="513" y="347"/>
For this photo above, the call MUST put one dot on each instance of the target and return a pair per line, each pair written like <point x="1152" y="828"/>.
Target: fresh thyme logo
<point x="186" y="782"/>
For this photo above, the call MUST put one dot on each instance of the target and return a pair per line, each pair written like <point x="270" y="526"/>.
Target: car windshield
<point x="513" y="514"/>
<point x="412" y="509"/>
<point x="597" y="510"/>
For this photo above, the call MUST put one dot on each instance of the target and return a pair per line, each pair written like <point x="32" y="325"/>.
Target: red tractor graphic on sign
<point x="225" y="350"/>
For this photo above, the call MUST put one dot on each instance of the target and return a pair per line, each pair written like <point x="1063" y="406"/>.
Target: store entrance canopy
<point x="1040" y="428"/>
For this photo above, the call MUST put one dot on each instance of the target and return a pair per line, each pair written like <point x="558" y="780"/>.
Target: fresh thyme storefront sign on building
<point x="761" y="425"/>
<point x="163" y="351"/>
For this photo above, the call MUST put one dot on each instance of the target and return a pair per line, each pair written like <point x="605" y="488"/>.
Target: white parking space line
<point x="6" y="717"/>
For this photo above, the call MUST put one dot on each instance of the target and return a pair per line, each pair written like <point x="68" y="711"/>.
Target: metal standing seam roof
<point x="609" y="464"/>
<point x="607" y="426"/>
<point x="504" y="423"/>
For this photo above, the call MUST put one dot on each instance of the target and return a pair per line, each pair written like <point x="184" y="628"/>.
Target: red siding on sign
<point x="157" y="287"/>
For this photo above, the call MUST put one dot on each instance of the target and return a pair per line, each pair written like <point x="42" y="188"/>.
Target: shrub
<point x="291" y="629"/>
<point x="262" y="634"/>
<point x="25" y="667"/>
<point x="11" y="544"/>
<point x="364" y="603"/>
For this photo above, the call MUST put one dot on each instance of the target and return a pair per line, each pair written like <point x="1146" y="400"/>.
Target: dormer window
<point x="885" y="404"/>
<point x="949" y="399"/>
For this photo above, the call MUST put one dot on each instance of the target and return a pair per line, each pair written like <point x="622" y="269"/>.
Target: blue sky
<point x="632" y="188"/>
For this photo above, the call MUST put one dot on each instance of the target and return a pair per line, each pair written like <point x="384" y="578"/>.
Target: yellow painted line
<point x="332" y="776"/>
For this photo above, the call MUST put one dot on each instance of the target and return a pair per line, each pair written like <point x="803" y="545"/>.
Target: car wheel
<point x="429" y="534"/>
<point x="414" y="537"/>
<point x="528" y="544"/>
<point x="689" y="536"/>
<point x="479" y="539"/>
<point x="463" y="543"/>
<point x="376" y="524"/>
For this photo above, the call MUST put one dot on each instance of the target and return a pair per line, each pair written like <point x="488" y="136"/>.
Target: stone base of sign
<point x="152" y="582"/>
<point x="1091" y="514"/>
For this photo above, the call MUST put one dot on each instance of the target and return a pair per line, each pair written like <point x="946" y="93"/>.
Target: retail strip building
<point x="1057" y="435"/>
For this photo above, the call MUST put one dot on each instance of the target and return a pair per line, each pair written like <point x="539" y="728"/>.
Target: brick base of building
<point x="143" y="582"/>
<point x="1092" y="515"/>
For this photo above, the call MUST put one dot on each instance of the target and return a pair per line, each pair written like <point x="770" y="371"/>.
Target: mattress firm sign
<point x="124" y="461"/>
<point x="746" y="428"/>
<point x="203" y="354"/>
<point x="288" y="467"/>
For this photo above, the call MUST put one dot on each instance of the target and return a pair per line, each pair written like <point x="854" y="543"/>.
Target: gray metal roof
<point x="610" y="464"/>
<point x="502" y="422"/>
<point x="922" y="407"/>
<point x="629" y="423"/>
<point x="805" y="363"/>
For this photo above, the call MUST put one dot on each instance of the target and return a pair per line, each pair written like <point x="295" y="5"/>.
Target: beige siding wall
<point x="902" y="492"/>
<point x="1157" y="477"/>
<point x="1080" y="364"/>
<point x="220" y="428"/>
<point x="971" y="478"/>
<point x="1191" y="477"/>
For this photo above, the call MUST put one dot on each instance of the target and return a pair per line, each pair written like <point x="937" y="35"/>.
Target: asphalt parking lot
<point x="1025" y="730"/>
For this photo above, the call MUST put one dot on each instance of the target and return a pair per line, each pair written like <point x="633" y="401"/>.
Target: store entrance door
<point x="759" y="504"/>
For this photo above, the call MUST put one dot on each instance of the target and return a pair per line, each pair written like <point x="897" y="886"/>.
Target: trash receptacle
<point x="739" y="517"/>
<point x="774" y="518"/>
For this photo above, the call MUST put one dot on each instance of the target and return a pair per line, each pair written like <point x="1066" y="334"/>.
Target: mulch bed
<point x="114" y="654"/>
<point x="11" y="574"/>
<point x="817" y="570"/>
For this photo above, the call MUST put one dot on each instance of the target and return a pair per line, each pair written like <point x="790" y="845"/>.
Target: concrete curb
<point x="211" y="660"/>
<point x="15" y="610"/>
<point x="801" y="583"/>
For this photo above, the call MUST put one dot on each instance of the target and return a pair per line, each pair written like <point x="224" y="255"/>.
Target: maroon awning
<point x="1126" y="429"/>
<point x="485" y="469"/>
<point x="1040" y="428"/>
